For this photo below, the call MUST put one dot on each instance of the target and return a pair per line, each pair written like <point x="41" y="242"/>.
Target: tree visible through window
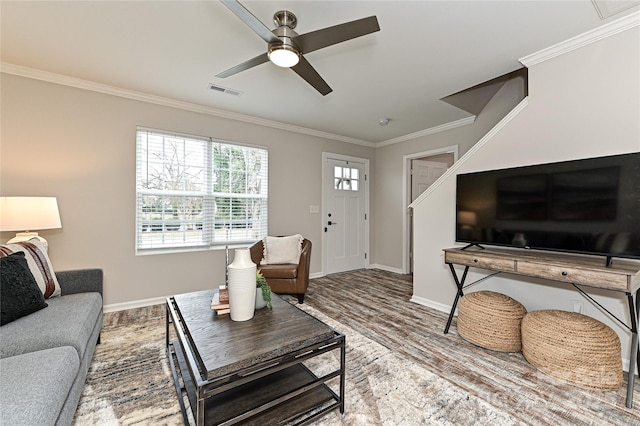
<point x="196" y="192"/>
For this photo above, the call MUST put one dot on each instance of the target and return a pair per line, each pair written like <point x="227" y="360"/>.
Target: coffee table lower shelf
<point x="246" y="403"/>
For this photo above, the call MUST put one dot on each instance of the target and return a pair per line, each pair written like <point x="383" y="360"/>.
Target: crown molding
<point x="430" y="131"/>
<point x="78" y="83"/>
<point x="106" y="89"/>
<point x="469" y="154"/>
<point x="625" y="23"/>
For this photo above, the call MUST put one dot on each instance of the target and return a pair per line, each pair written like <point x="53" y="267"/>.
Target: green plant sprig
<point x="261" y="283"/>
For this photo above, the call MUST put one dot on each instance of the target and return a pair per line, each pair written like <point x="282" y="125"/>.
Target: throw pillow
<point x="278" y="250"/>
<point x="19" y="293"/>
<point x="39" y="264"/>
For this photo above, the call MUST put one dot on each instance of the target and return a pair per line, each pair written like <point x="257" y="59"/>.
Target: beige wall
<point x="585" y="103"/>
<point x="79" y="146"/>
<point x="389" y="208"/>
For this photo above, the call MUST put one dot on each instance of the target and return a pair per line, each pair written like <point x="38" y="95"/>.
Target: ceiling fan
<point x="286" y="47"/>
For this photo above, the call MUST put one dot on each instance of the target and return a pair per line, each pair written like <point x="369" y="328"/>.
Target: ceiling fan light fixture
<point x="284" y="55"/>
<point x="287" y="48"/>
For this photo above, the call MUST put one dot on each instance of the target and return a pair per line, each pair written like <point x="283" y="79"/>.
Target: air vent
<point x="224" y="90"/>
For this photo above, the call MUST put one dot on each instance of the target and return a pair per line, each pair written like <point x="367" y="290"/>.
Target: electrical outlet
<point x="577" y="306"/>
<point x="314" y="209"/>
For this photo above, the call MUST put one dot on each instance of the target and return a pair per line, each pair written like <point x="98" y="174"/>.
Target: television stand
<point x="578" y="271"/>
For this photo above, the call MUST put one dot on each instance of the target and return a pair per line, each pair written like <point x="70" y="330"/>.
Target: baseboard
<point x="415" y="299"/>
<point x="115" y="307"/>
<point x="386" y="268"/>
<point x="431" y="304"/>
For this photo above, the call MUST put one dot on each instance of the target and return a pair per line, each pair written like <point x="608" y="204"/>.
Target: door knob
<point x="332" y="223"/>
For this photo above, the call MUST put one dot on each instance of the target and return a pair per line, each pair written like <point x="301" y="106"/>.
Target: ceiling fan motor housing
<point x="285" y="34"/>
<point x="285" y="18"/>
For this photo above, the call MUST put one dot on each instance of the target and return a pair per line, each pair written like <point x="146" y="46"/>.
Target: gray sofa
<point x="45" y="356"/>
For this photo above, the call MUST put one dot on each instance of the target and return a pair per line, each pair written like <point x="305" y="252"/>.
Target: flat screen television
<point x="588" y="206"/>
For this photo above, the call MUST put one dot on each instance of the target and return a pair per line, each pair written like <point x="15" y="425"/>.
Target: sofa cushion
<point x="68" y="321"/>
<point x="19" y="293"/>
<point x="31" y="394"/>
<point x="279" y="250"/>
<point x="286" y="271"/>
<point x="39" y="264"/>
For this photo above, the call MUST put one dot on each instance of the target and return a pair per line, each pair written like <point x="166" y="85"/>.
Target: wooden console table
<point x="621" y="276"/>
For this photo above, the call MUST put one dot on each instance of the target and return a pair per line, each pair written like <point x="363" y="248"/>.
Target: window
<point x="346" y="178"/>
<point x="198" y="192"/>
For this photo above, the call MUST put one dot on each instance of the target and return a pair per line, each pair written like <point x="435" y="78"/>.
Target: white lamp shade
<point x="29" y="213"/>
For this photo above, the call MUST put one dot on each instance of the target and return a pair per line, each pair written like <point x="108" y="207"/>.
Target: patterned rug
<point x="130" y="382"/>
<point x="401" y="369"/>
<point x="383" y="388"/>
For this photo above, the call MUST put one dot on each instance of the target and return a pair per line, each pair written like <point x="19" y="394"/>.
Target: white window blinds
<point x="198" y="192"/>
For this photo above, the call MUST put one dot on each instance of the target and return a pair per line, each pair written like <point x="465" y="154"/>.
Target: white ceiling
<point x="424" y="51"/>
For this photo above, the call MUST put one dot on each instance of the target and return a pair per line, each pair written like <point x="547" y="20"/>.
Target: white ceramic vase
<point x="242" y="286"/>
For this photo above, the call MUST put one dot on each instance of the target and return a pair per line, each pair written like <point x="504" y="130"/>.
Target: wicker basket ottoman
<point x="573" y="347"/>
<point x="491" y="320"/>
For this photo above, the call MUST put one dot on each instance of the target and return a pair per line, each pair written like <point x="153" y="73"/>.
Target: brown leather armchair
<point x="286" y="278"/>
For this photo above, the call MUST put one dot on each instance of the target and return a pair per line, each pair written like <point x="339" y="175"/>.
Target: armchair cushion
<point x="285" y="278"/>
<point x="285" y="271"/>
<point x="279" y="250"/>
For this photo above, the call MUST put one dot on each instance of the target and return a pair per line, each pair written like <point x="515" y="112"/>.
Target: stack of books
<point x="220" y="301"/>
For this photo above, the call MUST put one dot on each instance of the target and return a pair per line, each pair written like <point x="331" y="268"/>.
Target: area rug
<point x="383" y="388"/>
<point x="130" y="382"/>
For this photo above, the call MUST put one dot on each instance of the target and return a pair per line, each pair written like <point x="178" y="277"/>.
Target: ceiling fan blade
<point x="252" y="22"/>
<point x="336" y="34"/>
<point x="260" y="59"/>
<point x="311" y="76"/>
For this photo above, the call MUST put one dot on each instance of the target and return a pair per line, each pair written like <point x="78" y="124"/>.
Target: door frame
<point x="406" y="196"/>
<point x="325" y="157"/>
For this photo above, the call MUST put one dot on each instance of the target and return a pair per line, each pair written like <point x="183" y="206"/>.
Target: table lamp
<point x="26" y="214"/>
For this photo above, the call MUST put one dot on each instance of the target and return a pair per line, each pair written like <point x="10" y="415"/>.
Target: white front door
<point x="345" y="215"/>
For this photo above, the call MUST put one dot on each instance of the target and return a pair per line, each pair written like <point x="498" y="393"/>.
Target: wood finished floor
<point x="376" y="303"/>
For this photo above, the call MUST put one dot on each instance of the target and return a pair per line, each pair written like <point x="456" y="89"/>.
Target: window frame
<point x="207" y="229"/>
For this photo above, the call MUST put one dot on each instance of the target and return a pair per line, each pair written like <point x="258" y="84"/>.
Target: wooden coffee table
<point x="252" y="371"/>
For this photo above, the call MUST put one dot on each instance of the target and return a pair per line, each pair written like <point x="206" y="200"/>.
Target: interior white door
<point x="423" y="174"/>
<point x="345" y="220"/>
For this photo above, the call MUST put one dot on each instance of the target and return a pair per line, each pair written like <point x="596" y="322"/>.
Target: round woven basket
<point x="573" y="347"/>
<point x="491" y="320"/>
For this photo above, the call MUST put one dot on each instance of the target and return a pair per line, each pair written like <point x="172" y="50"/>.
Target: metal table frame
<point x="202" y="389"/>
<point x="634" y="311"/>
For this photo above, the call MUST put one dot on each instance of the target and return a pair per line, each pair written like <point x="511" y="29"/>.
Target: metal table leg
<point x="637" y="316"/>
<point x="633" y="355"/>
<point x="343" y="357"/>
<point x="459" y="294"/>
